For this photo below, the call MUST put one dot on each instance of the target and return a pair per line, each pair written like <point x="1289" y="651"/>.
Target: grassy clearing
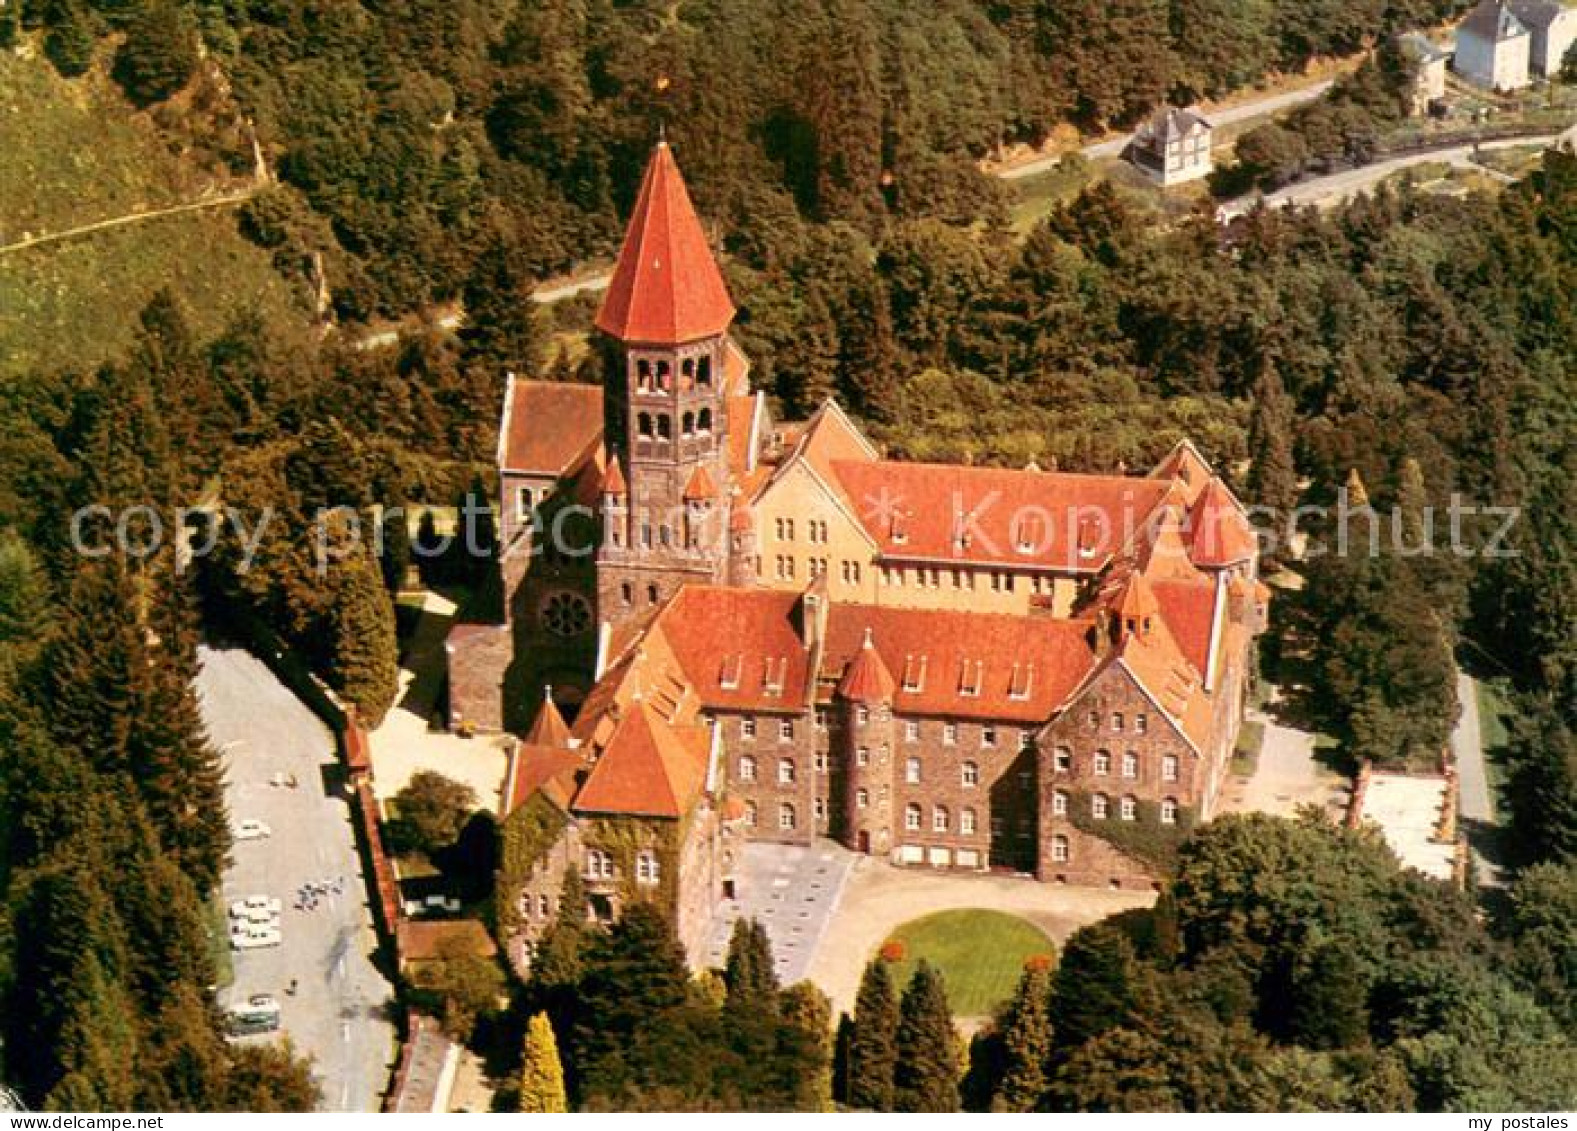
<point x="1039" y="194"/>
<point x="76" y="153"/>
<point x="1251" y="738"/>
<point x="980" y="953"/>
<point x="1494" y="715"/>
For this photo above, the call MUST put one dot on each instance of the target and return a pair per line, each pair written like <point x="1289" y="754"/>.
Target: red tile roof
<point x="867" y="680"/>
<point x="648" y="768"/>
<point x="965" y="665"/>
<point x="1189" y="609"/>
<point x="700" y="487"/>
<point x="549" y="727"/>
<point x="613" y="479"/>
<point x="550" y="427"/>
<point x="666" y="288"/>
<point x="548" y="768"/>
<point x="740" y="648"/>
<point x="1219" y="531"/>
<point x="944" y="513"/>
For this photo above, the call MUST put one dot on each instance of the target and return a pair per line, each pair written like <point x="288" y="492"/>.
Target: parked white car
<point x="252" y="830"/>
<point x="254" y="905"/>
<point x="255" y="938"/>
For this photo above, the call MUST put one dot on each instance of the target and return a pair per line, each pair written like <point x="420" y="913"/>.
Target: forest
<point x="1410" y="347"/>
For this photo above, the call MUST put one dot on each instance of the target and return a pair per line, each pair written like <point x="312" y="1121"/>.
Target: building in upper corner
<point x="1494" y="47"/>
<point x="1173" y="147"/>
<point x="1552" y="29"/>
<point x="1429" y="60"/>
<point x="789" y="636"/>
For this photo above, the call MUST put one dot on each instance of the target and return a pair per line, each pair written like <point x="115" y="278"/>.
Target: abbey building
<point x="766" y="630"/>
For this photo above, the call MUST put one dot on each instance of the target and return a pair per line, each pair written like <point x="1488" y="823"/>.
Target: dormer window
<point x="1021" y="682"/>
<point x="914" y="673"/>
<point x="728" y="677"/>
<point x="773" y="674"/>
<point x="899" y="527"/>
<point x="971" y="675"/>
<point x="1031" y="534"/>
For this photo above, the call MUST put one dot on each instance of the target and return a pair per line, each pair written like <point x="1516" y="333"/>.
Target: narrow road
<point x="1337" y="187"/>
<point x="1475" y="802"/>
<point x="224" y="201"/>
<point x="1227" y="115"/>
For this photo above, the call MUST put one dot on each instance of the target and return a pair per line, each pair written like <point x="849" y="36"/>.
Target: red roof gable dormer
<point x="666" y="288"/>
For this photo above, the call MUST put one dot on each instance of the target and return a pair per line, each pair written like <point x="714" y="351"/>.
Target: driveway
<point x="1475" y="802"/>
<point x="878" y="897"/>
<point x="339" y="1012"/>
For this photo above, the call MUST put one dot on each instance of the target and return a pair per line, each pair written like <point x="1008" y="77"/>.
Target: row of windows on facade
<point x="968" y="772"/>
<point x="786" y="567"/>
<point x="1101" y="807"/>
<point x="930" y="577"/>
<point x="990" y="734"/>
<point x="658" y="377"/>
<point x="815" y="528"/>
<point x="659" y="426"/>
<point x="600" y="866"/>
<point x="664" y="532"/>
<point x="1101" y="764"/>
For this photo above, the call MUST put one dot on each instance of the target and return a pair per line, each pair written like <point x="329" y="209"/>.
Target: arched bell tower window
<point x="643" y="376"/>
<point x="687" y="424"/>
<point x="703" y="423"/>
<point x="643" y="425"/>
<point x="687" y="373"/>
<point x="665" y="427"/>
<point x="665" y="377"/>
<point x="703" y="372"/>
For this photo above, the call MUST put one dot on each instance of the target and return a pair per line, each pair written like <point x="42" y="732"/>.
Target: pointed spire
<point x="666" y="288"/>
<point x="613" y="480"/>
<point x="1220" y="535"/>
<point x="549" y="728"/>
<point x="867" y="679"/>
<point x="700" y="487"/>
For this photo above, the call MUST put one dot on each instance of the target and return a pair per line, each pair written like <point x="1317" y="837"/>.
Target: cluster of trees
<point x="629" y="1029"/>
<point x="416" y="137"/>
<point x="113" y="827"/>
<point x="898" y="1054"/>
<point x="1292" y="967"/>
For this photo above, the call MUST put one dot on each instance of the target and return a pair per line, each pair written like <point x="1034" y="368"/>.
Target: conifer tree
<point x="1094" y="989"/>
<point x="1026" y="1043"/>
<point x="806" y="1046"/>
<point x="541" y="1074"/>
<point x="1273" y="477"/>
<point x="873" y="1051"/>
<point x="69" y="43"/>
<point x="631" y="977"/>
<point x="925" y="1077"/>
<point x="364" y="667"/>
<point x="159" y="53"/>
<point x="749" y="974"/>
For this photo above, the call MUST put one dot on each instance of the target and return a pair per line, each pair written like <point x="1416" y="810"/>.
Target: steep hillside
<point x="78" y="154"/>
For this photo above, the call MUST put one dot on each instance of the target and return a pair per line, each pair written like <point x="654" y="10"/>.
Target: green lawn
<point x="980" y="954"/>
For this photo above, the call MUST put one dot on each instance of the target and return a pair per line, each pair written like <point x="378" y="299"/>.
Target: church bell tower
<point x="664" y="495"/>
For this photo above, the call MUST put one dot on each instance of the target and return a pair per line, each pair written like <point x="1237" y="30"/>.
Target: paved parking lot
<point x="339" y="1012"/>
<point x="793" y="892"/>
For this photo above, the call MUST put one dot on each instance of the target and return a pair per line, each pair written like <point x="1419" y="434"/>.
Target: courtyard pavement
<point x="1288" y="775"/>
<point x="876" y="897"/>
<point x="412" y="736"/>
<point x="339" y="1014"/>
<point x="793" y="891"/>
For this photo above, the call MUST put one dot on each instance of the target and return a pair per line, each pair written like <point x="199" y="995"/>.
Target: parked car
<point x="254" y="905"/>
<point x="249" y="937"/>
<point x="252" y="830"/>
<point x="259" y="1014"/>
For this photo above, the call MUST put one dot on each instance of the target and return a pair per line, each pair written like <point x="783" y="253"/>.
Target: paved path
<point x="1476" y="802"/>
<point x="1225" y="116"/>
<point x="339" y="1014"/>
<point x="879" y="897"/>
<point x="1287" y="775"/>
<point x="1337" y="187"/>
